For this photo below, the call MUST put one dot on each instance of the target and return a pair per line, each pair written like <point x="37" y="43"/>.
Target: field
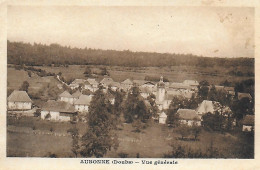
<point x="213" y="75"/>
<point x="152" y="142"/>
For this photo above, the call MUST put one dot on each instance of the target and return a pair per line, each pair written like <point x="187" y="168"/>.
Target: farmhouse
<point x="189" y="117"/>
<point x="19" y="100"/>
<point x="57" y="111"/>
<point x="248" y="123"/>
<point x="66" y="97"/>
<point x="83" y="103"/>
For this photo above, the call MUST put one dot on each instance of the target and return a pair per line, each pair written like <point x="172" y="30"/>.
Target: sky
<point x="203" y="31"/>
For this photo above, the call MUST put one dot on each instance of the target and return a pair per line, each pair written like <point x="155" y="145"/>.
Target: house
<point x="91" y="84"/>
<point x="76" y="83"/>
<point x="83" y="103"/>
<point x="106" y="82"/>
<point x="57" y="111"/>
<point x="211" y="107"/>
<point x="66" y="97"/>
<point x="206" y="106"/>
<point x="162" y="118"/>
<point x="19" y="100"/>
<point x="188" y="117"/>
<point x="248" y="123"/>
<point x="127" y="84"/>
<point x="244" y="95"/>
<point x="76" y="95"/>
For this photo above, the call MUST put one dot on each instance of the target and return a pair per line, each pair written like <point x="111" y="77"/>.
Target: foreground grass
<point x="153" y="142"/>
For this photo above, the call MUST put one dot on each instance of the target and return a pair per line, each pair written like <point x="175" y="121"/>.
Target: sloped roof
<point x="19" y="96"/>
<point x="162" y="115"/>
<point x="248" y="120"/>
<point x="76" y="94"/>
<point x="128" y="82"/>
<point x="65" y="94"/>
<point x="219" y="88"/>
<point x="83" y="100"/>
<point x="243" y="95"/>
<point x="58" y="106"/>
<point x="150" y="82"/>
<point x="187" y="114"/>
<point x="107" y="80"/>
<point x="92" y="81"/>
<point x="206" y="107"/>
<point x="78" y="81"/>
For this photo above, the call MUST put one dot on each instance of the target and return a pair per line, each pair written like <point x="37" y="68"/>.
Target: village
<point x="68" y="105"/>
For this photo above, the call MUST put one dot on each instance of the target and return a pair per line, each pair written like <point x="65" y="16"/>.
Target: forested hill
<point x="39" y="54"/>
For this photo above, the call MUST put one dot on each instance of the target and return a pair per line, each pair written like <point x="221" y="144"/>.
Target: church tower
<point x="161" y="90"/>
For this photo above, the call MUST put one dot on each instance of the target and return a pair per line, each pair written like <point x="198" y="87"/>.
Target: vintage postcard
<point x="129" y="85"/>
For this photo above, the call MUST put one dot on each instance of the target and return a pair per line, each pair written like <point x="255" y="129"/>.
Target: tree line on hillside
<point x="54" y="54"/>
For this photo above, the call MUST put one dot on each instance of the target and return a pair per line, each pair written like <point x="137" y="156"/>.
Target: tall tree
<point x="25" y="86"/>
<point x="135" y="107"/>
<point x="203" y="89"/>
<point x="100" y="136"/>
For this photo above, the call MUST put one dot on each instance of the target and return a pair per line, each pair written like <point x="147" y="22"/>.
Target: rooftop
<point x="19" y="96"/>
<point x="188" y="114"/>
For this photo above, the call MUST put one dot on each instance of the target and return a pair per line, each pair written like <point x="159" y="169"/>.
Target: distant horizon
<point x="202" y="31"/>
<point x="193" y="55"/>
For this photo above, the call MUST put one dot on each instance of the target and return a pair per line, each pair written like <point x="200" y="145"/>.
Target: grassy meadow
<point x="153" y="142"/>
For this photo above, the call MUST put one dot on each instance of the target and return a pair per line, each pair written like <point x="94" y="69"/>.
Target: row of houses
<point x="68" y="104"/>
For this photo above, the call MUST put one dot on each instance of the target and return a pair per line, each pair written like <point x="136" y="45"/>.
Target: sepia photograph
<point x="130" y="82"/>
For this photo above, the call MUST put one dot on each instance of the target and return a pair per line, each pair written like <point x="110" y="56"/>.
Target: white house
<point x="206" y="106"/>
<point x="188" y="117"/>
<point x="66" y="97"/>
<point x="162" y="118"/>
<point x="82" y="104"/>
<point x="19" y="100"/>
<point x="57" y="111"/>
